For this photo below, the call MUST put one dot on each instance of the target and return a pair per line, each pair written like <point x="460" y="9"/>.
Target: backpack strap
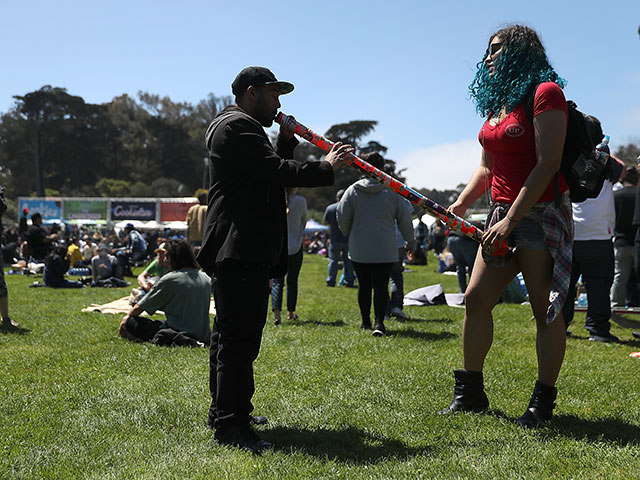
<point x="529" y="101"/>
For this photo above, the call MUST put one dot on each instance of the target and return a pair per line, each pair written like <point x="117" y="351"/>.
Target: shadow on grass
<point x="4" y="329"/>
<point x="312" y="321"/>
<point x="630" y="343"/>
<point x="426" y="320"/>
<point x="427" y="336"/>
<point x="606" y="429"/>
<point x="348" y="445"/>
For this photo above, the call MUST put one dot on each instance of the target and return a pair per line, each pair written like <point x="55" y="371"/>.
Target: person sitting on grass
<point x="74" y="255"/>
<point x="56" y="265"/>
<point x="183" y="295"/>
<point x="106" y="269"/>
<point x="154" y="272"/>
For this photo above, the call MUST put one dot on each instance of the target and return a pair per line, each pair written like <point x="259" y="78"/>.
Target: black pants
<point x="241" y="293"/>
<point x="593" y="259"/>
<point x="372" y="276"/>
<point x="143" y="328"/>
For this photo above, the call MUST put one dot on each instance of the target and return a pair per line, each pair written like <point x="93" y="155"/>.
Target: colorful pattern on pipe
<point x="434" y="209"/>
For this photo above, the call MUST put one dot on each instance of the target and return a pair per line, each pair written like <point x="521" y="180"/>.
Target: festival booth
<point x="143" y="213"/>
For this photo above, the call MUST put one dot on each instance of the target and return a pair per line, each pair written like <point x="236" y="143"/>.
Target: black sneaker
<point x="244" y="438"/>
<point x="608" y="338"/>
<point x="636" y="334"/>
<point x="379" y="330"/>
<point x="258" y="420"/>
<point x="366" y="325"/>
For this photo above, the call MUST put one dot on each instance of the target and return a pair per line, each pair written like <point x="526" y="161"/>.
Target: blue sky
<point x="406" y="64"/>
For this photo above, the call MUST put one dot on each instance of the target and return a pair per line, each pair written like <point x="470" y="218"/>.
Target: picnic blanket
<point x="432" y="295"/>
<point x="122" y="305"/>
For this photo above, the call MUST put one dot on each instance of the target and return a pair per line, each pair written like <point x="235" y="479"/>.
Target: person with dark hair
<point x="247" y="202"/>
<point x="623" y="291"/>
<point x="23" y="225"/>
<point x="593" y="258"/>
<point x="296" y="221"/>
<point x="196" y="216"/>
<point x="520" y="160"/>
<point x="183" y="294"/>
<point x="464" y="251"/>
<point x="338" y="247"/>
<point x="56" y="264"/>
<point x="39" y="242"/>
<point x="134" y="250"/>
<point x="7" y="321"/>
<point x="368" y="213"/>
<point x="74" y="255"/>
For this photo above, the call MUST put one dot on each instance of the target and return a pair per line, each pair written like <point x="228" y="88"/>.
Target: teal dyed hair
<point x="521" y="65"/>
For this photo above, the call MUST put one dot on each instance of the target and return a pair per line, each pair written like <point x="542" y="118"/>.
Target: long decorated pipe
<point x="434" y="209"/>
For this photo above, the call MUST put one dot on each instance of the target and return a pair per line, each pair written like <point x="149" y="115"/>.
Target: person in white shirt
<point x="594" y="221"/>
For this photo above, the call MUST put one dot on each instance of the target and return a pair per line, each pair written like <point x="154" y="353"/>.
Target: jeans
<point x="336" y="252"/>
<point x="593" y="259"/>
<point x="464" y="252"/>
<point x="294" y="264"/>
<point x="623" y="268"/>
<point x="241" y="293"/>
<point x="372" y="276"/>
<point x="396" y="283"/>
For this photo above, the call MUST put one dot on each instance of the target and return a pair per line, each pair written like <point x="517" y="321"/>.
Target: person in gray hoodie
<point x="368" y="213"/>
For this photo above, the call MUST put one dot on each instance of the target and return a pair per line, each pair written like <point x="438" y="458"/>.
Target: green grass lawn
<point x="78" y="402"/>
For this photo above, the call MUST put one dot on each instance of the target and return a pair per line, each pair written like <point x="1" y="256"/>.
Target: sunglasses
<point x="493" y="49"/>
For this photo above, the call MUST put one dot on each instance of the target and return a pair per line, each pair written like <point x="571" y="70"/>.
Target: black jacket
<point x="246" y="218"/>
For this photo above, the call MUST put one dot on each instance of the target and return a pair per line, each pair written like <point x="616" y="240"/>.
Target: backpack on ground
<point x="583" y="170"/>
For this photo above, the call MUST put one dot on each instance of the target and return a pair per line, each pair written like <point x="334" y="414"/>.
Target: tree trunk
<point x="39" y="183"/>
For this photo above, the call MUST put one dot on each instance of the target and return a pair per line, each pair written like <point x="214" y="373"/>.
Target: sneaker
<point x="608" y="338"/>
<point x="379" y="330"/>
<point x="258" y="420"/>
<point x="349" y="285"/>
<point x="242" y="437"/>
<point x="330" y="285"/>
<point x="636" y="334"/>
<point x="9" y="322"/>
<point x="569" y="333"/>
<point x="366" y="325"/>
<point x="398" y="313"/>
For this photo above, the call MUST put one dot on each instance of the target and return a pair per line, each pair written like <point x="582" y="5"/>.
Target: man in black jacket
<point x="247" y="203"/>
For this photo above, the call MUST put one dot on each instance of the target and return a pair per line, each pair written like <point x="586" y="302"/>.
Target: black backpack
<point x="584" y="172"/>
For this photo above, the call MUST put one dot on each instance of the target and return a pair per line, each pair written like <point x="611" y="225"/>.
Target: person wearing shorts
<point x="531" y="212"/>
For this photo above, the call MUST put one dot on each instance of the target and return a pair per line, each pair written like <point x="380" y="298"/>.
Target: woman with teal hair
<point x="531" y="211"/>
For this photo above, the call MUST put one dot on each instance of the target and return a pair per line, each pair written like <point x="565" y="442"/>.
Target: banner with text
<point x="51" y="210"/>
<point x="143" y="211"/>
<point x="85" y="209"/>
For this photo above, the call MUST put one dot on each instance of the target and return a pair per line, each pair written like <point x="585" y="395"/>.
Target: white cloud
<point x="442" y="166"/>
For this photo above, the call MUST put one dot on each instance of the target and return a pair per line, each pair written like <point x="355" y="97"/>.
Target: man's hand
<point x="338" y="153"/>
<point x="287" y="129"/>
<point x="122" y="331"/>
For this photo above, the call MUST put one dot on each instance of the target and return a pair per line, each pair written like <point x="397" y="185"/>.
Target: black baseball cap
<point x="256" y="77"/>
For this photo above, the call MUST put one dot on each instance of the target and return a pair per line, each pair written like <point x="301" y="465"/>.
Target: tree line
<point x="53" y="143"/>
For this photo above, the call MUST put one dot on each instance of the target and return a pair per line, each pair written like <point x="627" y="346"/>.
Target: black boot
<point x="541" y="405"/>
<point x="468" y="393"/>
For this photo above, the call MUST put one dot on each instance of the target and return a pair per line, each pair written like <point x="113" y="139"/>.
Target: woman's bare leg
<point x="483" y="292"/>
<point x="537" y="269"/>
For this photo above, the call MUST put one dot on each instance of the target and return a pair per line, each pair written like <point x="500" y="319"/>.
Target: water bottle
<point x="601" y="151"/>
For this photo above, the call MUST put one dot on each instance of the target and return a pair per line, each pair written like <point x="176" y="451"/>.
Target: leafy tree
<point x="352" y="133"/>
<point x="629" y="153"/>
<point x="47" y="110"/>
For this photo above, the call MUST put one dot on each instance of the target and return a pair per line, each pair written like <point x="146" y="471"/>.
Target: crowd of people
<point x="371" y="236"/>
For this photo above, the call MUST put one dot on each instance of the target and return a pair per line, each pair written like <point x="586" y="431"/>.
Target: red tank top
<point x="511" y="144"/>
